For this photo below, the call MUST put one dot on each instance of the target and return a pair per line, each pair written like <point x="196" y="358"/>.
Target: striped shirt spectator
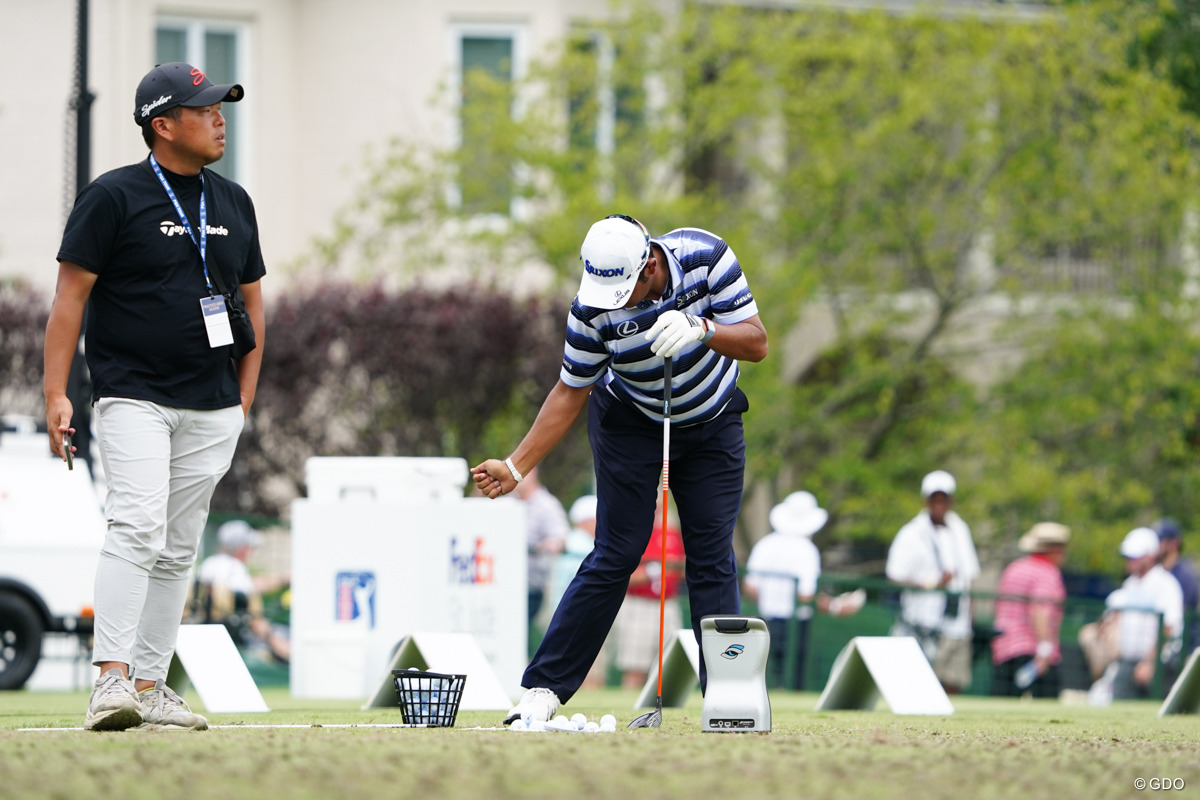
<point x="1031" y="581"/>
<point x="610" y="347"/>
<point x="1029" y="614"/>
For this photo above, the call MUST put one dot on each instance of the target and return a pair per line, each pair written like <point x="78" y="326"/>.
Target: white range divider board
<point x="385" y="547"/>
<point x="681" y="672"/>
<point x="1184" y="697"/>
<point x="448" y="654"/>
<point x="208" y="656"/>
<point x="893" y="667"/>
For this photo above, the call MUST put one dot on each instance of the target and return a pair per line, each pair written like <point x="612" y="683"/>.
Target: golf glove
<point x="674" y="330"/>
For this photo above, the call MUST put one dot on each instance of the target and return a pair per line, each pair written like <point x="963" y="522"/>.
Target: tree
<point x="1099" y="429"/>
<point x="904" y="171"/>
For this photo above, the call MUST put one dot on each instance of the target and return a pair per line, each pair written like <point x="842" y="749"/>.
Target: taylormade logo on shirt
<point x="175" y="229"/>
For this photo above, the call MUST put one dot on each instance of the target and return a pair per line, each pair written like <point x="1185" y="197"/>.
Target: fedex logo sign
<point x="471" y="563"/>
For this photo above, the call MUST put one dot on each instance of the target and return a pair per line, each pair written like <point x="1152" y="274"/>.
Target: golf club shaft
<point x="662" y="580"/>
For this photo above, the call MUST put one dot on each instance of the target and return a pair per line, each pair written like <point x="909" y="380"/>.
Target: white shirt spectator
<point x="1141" y="600"/>
<point x="919" y="554"/>
<point x="783" y="566"/>
<point x="222" y="569"/>
<point x="546" y="522"/>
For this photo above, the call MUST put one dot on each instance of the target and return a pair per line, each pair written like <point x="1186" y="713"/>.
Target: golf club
<point x="653" y="719"/>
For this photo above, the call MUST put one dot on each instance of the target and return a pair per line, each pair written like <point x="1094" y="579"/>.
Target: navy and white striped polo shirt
<point x="610" y="347"/>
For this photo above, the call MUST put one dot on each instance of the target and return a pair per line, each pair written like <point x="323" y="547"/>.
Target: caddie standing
<point x="641" y="300"/>
<point x="146" y="250"/>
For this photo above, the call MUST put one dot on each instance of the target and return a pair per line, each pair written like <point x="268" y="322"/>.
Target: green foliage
<point x="901" y="172"/>
<point x="1163" y="36"/>
<point x="1099" y="428"/>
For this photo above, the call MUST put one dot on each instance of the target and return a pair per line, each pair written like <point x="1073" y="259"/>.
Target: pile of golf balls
<point x="578" y="723"/>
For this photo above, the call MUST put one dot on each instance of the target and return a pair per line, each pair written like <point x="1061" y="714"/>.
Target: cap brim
<point x="608" y="296"/>
<point x="211" y="95"/>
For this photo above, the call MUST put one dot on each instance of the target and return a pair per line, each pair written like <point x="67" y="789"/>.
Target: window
<point x="490" y="58"/>
<point x="606" y="112"/>
<point x="216" y="48"/>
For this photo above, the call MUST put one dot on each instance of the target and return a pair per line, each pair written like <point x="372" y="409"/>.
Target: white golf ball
<point x="579" y="720"/>
<point x="537" y="725"/>
<point x="608" y="719"/>
<point x="592" y="727"/>
<point x="519" y="725"/>
<point x="561" y="720"/>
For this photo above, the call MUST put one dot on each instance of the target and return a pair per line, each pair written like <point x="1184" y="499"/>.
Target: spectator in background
<point x="580" y="541"/>
<point x="1148" y="593"/>
<point x="636" y="626"/>
<point x="1029" y="615"/>
<point x="1170" y="541"/>
<point x="546" y="529"/>
<point x="782" y="569"/>
<point x="226" y="593"/>
<point x="934" y="556"/>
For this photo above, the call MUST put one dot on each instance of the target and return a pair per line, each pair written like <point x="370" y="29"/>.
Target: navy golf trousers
<point x="707" y="470"/>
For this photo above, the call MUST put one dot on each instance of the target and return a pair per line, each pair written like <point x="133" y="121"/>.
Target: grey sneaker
<point x="161" y="707"/>
<point x="114" y="705"/>
<point x="535" y="704"/>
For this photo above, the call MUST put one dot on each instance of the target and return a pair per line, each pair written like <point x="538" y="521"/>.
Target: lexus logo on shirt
<point x="627" y="328"/>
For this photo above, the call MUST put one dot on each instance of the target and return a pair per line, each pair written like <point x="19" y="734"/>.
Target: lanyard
<point x="202" y="244"/>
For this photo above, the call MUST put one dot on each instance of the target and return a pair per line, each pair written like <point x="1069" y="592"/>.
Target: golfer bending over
<point x="641" y="300"/>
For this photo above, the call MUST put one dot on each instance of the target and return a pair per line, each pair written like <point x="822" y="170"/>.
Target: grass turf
<point x="989" y="748"/>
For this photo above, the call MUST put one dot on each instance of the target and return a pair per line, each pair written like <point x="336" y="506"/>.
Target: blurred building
<point x="325" y="84"/>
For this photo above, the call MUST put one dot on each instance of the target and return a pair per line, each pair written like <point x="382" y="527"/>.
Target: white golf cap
<point x="1139" y="543"/>
<point x="237" y="533"/>
<point x="583" y="509"/>
<point x="613" y="253"/>
<point x="938" y="481"/>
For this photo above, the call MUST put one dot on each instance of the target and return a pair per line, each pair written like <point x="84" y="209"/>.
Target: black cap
<point x="179" y="84"/>
<point x="1167" y="528"/>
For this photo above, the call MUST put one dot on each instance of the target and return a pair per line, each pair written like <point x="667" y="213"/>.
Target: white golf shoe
<point x="161" y="707"/>
<point x="536" y="705"/>
<point x="114" y="705"/>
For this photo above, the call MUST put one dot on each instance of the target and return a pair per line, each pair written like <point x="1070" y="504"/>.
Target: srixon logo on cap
<point x="602" y="273"/>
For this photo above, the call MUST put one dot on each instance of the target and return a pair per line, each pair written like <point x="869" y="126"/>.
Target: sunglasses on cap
<point x="642" y="228"/>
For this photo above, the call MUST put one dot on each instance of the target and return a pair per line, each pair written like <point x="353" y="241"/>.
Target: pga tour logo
<point x="473" y="565"/>
<point x="354" y="597"/>
<point x="170" y="228"/>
